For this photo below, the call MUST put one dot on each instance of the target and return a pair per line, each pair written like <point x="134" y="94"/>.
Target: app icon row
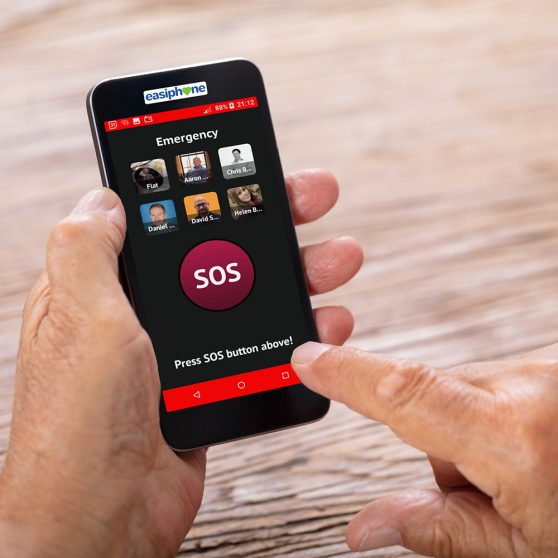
<point x="193" y="168"/>
<point x="201" y="209"/>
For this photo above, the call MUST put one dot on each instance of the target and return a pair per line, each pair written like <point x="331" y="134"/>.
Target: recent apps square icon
<point x="237" y="161"/>
<point x="159" y="217"/>
<point x="150" y="176"/>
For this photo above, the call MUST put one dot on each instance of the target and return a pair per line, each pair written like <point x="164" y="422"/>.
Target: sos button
<point x="217" y="275"/>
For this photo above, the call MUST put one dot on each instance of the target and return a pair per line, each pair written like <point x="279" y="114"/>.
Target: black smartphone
<point x="210" y="261"/>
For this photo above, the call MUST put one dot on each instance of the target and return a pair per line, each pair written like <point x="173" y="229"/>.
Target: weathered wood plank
<point x="438" y="118"/>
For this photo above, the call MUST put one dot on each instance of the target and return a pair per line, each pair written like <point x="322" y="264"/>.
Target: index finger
<point x="428" y="408"/>
<point x="312" y="193"/>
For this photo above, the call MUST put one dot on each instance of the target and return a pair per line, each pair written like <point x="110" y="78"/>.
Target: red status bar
<point x="180" y="114"/>
<point x="230" y="387"/>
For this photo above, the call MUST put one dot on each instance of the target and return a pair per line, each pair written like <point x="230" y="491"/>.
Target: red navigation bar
<point x="230" y="387"/>
<point x="180" y="114"/>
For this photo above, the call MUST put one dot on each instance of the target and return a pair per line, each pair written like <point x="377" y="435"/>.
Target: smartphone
<point x="210" y="262"/>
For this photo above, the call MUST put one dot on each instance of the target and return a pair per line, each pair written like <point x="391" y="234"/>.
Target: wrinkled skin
<point x="491" y="432"/>
<point x="87" y="471"/>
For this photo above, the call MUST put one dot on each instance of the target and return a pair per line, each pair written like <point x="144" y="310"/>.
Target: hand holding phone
<point x="87" y="392"/>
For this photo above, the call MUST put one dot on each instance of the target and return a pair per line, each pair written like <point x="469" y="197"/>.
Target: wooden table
<point x="440" y="120"/>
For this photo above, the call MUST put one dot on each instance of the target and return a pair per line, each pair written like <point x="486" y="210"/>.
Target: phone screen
<point x="210" y="256"/>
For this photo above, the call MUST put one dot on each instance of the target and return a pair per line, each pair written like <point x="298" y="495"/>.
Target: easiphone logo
<point x="175" y="92"/>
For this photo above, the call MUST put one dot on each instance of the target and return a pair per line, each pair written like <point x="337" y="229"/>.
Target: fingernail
<point x="308" y="352"/>
<point x="100" y="199"/>
<point x="380" y="538"/>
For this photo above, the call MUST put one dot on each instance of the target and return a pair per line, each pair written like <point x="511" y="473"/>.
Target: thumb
<point x="456" y="525"/>
<point x="83" y="249"/>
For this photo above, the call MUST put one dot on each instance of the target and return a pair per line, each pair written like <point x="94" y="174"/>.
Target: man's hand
<point x="87" y="471"/>
<point x="491" y="432"/>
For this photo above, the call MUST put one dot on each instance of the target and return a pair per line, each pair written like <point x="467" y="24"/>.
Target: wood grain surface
<point x="440" y="120"/>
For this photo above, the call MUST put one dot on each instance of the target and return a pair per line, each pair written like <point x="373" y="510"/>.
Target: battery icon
<point x="231" y="105"/>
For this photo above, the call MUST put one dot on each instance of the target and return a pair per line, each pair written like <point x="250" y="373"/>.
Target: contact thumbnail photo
<point x="150" y="176"/>
<point x="245" y="201"/>
<point x="159" y="217"/>
<point x="237" y="161"/>
<point x="193" y="168"/>
<point x="202" y="209"/>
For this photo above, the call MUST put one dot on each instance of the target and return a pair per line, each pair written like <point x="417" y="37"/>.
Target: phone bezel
<point x="121" y="97"/>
